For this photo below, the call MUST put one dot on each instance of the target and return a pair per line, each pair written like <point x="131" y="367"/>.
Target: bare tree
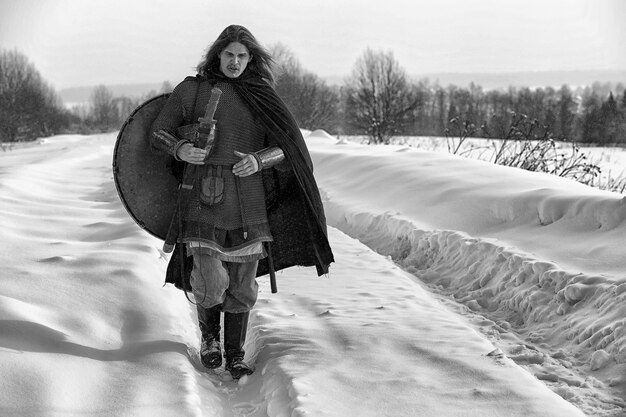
<point x="313" y="103"/>
<point x="103" y="108"/>
<point x="379" y="98"/>
<point x="285" y="61"/>
<point x="166" y="87"/>
<point x="124" y="106"/>
<point x="29" y="107"/>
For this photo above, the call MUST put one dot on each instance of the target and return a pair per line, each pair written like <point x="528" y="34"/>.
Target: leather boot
<point x="235" y="327"/>
<point x="210" y="348"/>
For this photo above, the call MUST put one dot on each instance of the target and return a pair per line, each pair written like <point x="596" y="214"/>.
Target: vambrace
<point x="167" y="142"/>
<point x="269" y="157"/>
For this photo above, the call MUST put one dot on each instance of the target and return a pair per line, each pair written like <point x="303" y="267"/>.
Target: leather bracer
<point x="167" y="142"/>
<point x="269" y="157"/>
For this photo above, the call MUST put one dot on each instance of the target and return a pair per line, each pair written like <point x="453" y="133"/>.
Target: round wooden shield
<point x="143" y="176"/>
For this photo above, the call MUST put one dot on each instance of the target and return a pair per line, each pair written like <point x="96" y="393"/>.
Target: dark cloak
<point x="294" y="206"/>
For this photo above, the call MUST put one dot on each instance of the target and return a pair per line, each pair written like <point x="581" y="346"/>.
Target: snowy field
<point x="461" y="288"/>
<point x="612" y="159"/>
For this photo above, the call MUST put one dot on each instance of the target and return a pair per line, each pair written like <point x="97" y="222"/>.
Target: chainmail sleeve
<point x="175" y="112"/>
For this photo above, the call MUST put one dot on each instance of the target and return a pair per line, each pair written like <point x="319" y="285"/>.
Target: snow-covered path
<point x="370" y="341"/>
<point x="86" y="327"/>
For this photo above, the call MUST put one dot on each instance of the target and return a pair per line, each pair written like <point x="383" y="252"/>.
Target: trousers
<point x="231" y="284"/>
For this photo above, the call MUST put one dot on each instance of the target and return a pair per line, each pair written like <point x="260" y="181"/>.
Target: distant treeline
<point x="380" y="101"/>
<point x="30" y="108"/>
<point x="377" y="100"/>
<point x="592" y="114"/>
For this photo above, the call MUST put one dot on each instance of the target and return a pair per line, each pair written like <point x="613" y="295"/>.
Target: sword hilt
<point x="207" y="123"/>
<point x="211" y="106"/>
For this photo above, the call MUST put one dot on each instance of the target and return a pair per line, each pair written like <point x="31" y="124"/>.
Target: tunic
<point x="234" y="228"/>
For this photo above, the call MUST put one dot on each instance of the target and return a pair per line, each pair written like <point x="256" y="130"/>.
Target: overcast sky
<point x="89" y="42"/>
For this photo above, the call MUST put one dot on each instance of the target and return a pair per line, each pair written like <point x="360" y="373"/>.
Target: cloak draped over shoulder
<point x="294" y="206"/>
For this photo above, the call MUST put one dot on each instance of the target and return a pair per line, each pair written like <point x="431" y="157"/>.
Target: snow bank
<point x="321" y="134"/>
<point x="533" y="253"/>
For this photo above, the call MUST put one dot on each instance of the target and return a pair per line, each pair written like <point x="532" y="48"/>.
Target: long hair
<point x="261" y="61"/>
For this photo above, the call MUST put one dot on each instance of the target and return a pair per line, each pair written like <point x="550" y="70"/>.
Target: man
<point x="254" y="190"/>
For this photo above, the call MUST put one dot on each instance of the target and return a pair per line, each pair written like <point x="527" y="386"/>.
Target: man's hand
<point x="191" y="154"/>
<point x="247" y="166"/>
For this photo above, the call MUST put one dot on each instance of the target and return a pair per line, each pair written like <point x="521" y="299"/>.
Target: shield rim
<point x="115" y="166"/>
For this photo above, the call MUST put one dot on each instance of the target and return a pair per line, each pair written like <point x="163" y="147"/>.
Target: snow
<point x="460" y="288"/>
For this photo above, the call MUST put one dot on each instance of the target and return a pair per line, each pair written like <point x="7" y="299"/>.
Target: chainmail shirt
<point x="222" y="225"/>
